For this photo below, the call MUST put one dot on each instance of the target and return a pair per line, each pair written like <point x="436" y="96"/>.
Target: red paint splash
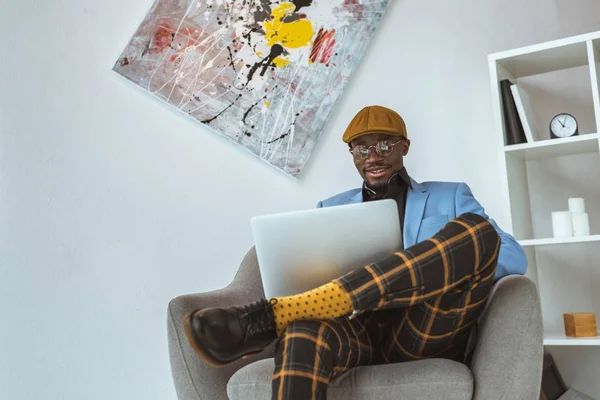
<point x="322" y="49"/>
<point x="162" y="38"/>
<point x="165" y="37"/>
<point x="357" y="9"/>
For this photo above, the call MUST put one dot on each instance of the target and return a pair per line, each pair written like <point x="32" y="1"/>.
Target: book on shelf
<point x="512" y="123"/>
<point x="525" y="111"/>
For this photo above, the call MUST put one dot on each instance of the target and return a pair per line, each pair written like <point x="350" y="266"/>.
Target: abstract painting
<point x="265" y="74"/>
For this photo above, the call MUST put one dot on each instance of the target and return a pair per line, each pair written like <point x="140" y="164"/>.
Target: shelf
<point x="580" y="144"/>
<point x="545" y="57"/>
<point x="559" y="339"/>
<point x="550" y="241"/>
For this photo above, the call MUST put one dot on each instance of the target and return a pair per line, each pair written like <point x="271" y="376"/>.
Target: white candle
<point x="562" y="224"/>
<point x="581" y="224"/>
<point x="577" y="204"/>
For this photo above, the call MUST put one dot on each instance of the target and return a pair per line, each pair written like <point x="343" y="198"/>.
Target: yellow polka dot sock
<point x="325" y="302"/>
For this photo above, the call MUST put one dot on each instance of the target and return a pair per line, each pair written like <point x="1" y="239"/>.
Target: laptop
<point x="301" y="250"/>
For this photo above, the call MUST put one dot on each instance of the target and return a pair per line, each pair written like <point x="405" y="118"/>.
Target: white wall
<point x="111" y="204"/>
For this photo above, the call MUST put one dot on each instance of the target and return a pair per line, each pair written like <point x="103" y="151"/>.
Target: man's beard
<point x="379" y="186"/>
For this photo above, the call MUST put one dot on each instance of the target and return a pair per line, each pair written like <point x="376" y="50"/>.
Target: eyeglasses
<point x="383" y="148"/>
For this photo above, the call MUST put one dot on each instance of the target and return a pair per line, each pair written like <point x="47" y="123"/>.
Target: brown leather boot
<point x="222" y="335"/>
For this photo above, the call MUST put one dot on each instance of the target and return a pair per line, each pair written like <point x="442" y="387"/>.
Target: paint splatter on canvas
<point x="263" y="73"/>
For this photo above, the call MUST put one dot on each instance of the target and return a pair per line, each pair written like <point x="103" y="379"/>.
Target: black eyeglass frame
<point x="377" y="149"/>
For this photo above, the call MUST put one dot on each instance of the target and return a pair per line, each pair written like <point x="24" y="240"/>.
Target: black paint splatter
<point x="254" y="105"/>
<point x="276" y="51"/>
<point x="147" y="48"/>
<point x="250" y="109"/>
<point x="208" y="121"/>
<point x="301" y="3"/>
<point x="248" y="36"/>
<point x="280" y="137"/>
<point x="285" y="134"/>
<point x="231" y="60"/>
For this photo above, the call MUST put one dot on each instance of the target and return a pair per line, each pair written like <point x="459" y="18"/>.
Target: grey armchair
<point x="506" y="363"/>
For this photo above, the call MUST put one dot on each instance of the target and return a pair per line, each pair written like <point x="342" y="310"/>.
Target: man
<point x="421" y="302"/>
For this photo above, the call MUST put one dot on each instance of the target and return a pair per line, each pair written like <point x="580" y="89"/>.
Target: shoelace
<point x="259" y="316"/>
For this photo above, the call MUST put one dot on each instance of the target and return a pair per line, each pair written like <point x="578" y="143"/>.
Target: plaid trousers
<point x="417" y="303"/>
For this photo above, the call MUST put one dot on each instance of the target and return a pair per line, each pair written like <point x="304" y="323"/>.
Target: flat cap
<point x="375" y="119"/>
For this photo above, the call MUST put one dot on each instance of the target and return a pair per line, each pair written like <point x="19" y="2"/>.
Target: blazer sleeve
<point x="512" y="258"/>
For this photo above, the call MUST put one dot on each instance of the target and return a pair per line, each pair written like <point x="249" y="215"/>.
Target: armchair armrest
<point x="507" y="361"/>
<point x="194" y="379"/>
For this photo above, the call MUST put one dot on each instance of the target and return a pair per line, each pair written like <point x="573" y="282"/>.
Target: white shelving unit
<point x="555" y="148"/>
<point x="539" y="177"/>
<point x="551" y="241"/>
<point x="559" y="339"/>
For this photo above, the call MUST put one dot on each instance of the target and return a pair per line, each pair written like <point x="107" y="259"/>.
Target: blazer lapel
<point x="416" y="198"/>
<point x="357" y="198"/>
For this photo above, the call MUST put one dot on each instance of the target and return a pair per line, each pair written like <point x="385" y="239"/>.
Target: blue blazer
<point x="430" y="205"/>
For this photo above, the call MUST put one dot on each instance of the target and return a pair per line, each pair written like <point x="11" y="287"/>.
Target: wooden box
<point x="580" y="325"/>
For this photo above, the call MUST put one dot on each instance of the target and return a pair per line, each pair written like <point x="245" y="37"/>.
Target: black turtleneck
<point x="397" y="188"/>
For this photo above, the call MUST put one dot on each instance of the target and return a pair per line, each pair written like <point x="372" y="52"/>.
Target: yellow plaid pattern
<point x="418" y="303"/>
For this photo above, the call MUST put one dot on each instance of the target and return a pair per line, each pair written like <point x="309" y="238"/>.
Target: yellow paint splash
<point x="292" y="35"/>
<point x="281" y="62"/>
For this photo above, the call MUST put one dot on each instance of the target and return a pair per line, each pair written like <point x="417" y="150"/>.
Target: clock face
<point x="563" y="125"/>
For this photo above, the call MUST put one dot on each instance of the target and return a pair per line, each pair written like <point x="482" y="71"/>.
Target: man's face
<point x="377" y="170"/>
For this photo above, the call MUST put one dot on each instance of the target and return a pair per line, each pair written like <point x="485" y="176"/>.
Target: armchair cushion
<point x="416" y="380"/>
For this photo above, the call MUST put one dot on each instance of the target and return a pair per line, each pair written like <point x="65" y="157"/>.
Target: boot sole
<point x="202" y="353"/>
